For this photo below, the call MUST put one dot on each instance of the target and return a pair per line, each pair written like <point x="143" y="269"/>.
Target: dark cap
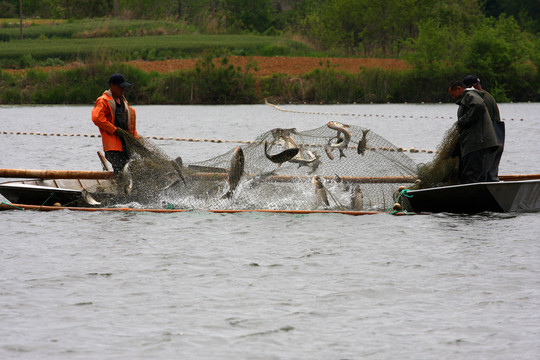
<point x="471" y="80"/>
<point x="119" y="80"/>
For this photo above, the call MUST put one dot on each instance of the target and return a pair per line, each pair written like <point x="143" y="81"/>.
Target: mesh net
<point x="333" y="167"/>
<point x="443" y="169"/>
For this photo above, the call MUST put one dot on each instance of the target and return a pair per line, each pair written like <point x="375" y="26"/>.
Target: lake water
<point x="199" y="285"/>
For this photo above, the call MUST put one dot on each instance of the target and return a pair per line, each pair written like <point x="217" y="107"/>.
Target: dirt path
<point x="291" y="66"/>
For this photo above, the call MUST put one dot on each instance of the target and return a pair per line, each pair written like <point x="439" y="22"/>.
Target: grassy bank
<point x="220" y="84"/>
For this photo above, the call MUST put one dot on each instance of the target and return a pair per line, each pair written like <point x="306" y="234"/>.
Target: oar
<point x="103" y="161"/>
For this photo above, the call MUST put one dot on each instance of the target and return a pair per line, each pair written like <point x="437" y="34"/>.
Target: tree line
<point x="359" y="24"/>
<point x="495" y="39"/>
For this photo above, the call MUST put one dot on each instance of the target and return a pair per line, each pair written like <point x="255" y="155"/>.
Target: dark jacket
<point x="491" y="105"/>
<point x="475" y="126"/>
<point x="498" y="124"/>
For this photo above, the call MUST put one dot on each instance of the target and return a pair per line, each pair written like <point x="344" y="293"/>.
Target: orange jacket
<point x="103" y="117"/>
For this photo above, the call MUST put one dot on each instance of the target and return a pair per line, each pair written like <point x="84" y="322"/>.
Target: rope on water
<point x="398" y="149"/>
<point x="50" y="196"/>
<point x="396" y="207"/>
<point x="364" y="115"/>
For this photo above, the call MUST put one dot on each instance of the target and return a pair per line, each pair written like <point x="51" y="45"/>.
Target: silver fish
<point x="126" y="179"/>
<point x="315" y="164"/>
<point x="279" y="132"/>
<point x="179" y="161"/>
<point x="303" y="158"/>
<point x="177" y="165"/>
<point x="307" y="158"/>
<point x="282" y="157"/>
<point x="320" y="191"/>
<point x="144" y="177"/>
<point x="284" y="137"/>
<point x="345" y="185"/>
<point x="362" y="144"/>
<point x="357" y="198"/>
<point x="328" y="150"/>
<point x="89" y="199"/>
<point x="235" y="172"/>
<point x="341" y="143"/>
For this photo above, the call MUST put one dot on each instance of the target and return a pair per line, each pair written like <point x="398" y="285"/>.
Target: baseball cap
<point x="119" y="80"/>
<point x="471" y="80"/>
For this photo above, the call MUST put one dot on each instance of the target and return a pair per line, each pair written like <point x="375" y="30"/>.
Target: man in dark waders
<point x="494" y="159"/>
<point x="477" y="139"/>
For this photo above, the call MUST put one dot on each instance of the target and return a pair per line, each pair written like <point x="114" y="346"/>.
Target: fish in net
<point x="148" y="173"/>
<point x="333" y="167"/>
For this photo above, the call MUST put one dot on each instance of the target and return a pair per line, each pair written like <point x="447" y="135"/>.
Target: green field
<point x="124" y="40"/>
<point x="49" y="28"/>
<point x="146" y="48"/>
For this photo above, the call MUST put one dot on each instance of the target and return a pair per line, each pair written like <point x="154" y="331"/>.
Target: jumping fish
<point x="320" y="191"/>
<point x="328" y="150"/>
<point x="179" y="161"/>
<point x="345" y="185"/>
<point x="339" y="127"/>
<point x="282" y="157"/>
<point x="341" y="143"/>
<point x="304" y="157"/>
<point x="284" y="137"/>
<point x="362" y="144"/>
<point x="357" y="198"/>
<point x="235" y="172"/>
<point x="89" y="199"/>
<point x="177" y="165"/>
<point x="312" y="159"/>
<point x="126" y="179"/>
<point x="315" y="164"/>
<point x="278" y="132"/>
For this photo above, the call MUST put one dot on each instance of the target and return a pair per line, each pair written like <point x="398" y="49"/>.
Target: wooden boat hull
<point x="46" y="191"/>
<point x="503" y="196"/>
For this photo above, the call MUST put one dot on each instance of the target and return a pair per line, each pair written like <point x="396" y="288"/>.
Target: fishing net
<point x="144" y="178"/>
<point x="443" y="169"/>
<point x="333" y="167"/>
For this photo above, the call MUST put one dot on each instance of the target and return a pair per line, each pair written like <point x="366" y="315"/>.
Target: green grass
<point x="9" y="30"/>
<point x="104" y="40"/>
<point x="147" y="47"/>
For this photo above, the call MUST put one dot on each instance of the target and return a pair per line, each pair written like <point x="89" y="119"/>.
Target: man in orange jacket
<point x="111" y="112"/>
